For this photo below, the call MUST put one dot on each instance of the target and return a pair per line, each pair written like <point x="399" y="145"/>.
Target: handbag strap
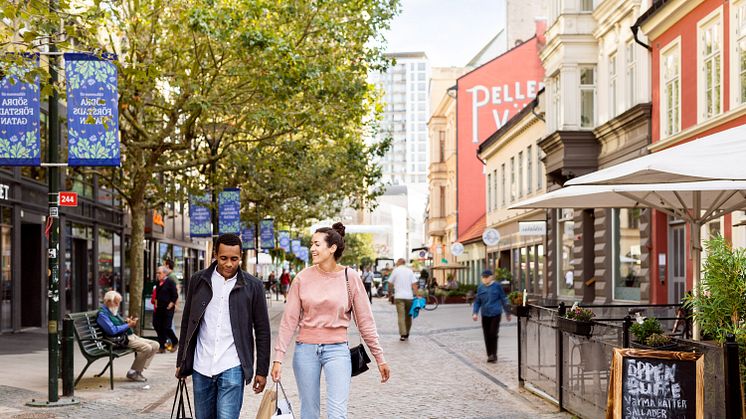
<point x="352" y="305"/>
<point x="180" y="408"/>
<point x="278" y="384"/>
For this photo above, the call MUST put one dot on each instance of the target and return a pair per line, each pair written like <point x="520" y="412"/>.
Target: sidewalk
<point x="439" y="373"/>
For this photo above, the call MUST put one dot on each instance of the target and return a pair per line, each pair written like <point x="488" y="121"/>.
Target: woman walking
<point x="319" y="304"/>
<point x="491" y="300"/>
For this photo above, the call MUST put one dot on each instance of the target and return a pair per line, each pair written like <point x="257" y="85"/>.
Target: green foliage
<point x="657" y="339"/>
<point x="358" y="246"/>
<point x="515" y="298"/>
<point x="502" y="274"/>
<point x="642" y="331"/>
<point x="462" y="290"/>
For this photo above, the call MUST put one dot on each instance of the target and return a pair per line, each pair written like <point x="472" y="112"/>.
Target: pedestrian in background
<point x="285" y="284"/>
<point x="113" y="324"/>
<point x="368" y="282"/>
<point x="166" y="297"/>
<point x="403" y="287"/>
<point x="225" y="320"/>
<point x="491" y="300"/>
<point x="319" y="305"/>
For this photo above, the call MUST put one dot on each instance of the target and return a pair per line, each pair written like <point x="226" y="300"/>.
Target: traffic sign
<point x="68" y="199"/>
<point x="491" y="237"/>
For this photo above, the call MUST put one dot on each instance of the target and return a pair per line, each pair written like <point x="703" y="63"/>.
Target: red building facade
<point x="698" y="51"/>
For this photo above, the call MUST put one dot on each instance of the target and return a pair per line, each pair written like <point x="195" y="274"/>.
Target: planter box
<point x="575" y="327"/>
<point x="667" y="347"/>
<point x="452" y="299"/>
<point x="519" y="311"/>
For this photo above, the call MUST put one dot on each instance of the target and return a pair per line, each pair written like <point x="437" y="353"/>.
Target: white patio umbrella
<point x="719" y="156"/>
<point x="695" y="202"/>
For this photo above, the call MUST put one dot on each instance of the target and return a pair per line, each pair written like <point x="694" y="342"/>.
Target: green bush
<point x="516" y="298"/>
<point x="657" y="339"/>
<point x="462" y="290"/>
<point x="649" y="326"/>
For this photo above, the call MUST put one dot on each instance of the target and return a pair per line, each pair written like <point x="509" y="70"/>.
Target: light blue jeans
<point x="219" y="396"/>
<point x="308" y="361"/>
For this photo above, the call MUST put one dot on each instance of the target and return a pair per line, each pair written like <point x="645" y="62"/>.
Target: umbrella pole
<point x="696" y="249"/>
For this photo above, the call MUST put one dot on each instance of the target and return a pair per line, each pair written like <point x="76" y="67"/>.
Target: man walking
<point x="403" y="286"/>
<point x="491" y="300"/>
<point x="166" y="296"/>
<point x="225" y="316"/>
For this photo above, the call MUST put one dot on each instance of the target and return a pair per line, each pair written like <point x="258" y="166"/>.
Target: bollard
<point x="68" y="367"/>
<point x="733" y="401"/>
<point x="625" y="331"/>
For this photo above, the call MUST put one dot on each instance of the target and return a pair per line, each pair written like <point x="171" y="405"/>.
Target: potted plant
<point x="577" y="320"/>
<point x="649" y="335"/>
<point x="517" y="308"/>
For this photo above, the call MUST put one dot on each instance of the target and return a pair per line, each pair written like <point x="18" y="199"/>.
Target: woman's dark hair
<point x="228" y="239"/>
<point x="335" y="235"/>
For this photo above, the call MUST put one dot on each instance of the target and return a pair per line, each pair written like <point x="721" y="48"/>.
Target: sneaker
<point x="492" y="359"/>
<point x="173" y="348"/>
<point x="136" y="376"/>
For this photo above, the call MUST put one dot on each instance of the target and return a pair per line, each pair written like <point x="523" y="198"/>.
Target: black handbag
<point x="178" y="406"/>
<point x="358" y="355"/>
<point x="119" y="341"/>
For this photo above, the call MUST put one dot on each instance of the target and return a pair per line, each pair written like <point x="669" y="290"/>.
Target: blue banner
<point x="284" y="239"/>
<point x="92" y="110"/>
<point x="247" y="237"/>
<point x="229" y="211"/>
<point x="19" y="117"/>
<point x="295" y="247"/>
<point x="267" y="233"/>
<point x="200" y="217"/>
<point x="303" y="254"/>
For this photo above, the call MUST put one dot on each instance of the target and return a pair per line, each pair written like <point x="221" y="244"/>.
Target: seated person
<point x="112" y="324"/>
<point x="452" y="284"/>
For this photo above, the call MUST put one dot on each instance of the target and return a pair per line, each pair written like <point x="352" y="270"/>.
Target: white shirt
<point x="402" y="278"/>
<point x="216" y="349"/>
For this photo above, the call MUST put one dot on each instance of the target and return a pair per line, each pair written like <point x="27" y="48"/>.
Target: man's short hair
<point x="169" y="264"/>
<point x="228" y="239"/>
<point x="111" y="295"/>
<point x="400" y="262"/>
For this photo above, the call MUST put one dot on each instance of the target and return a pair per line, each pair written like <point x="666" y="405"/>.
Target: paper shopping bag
<point x="283" y="410"/>
<point x="268" y="405"/>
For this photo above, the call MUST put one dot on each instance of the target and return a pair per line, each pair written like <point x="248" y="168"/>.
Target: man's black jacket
<point x="249" y="317"/>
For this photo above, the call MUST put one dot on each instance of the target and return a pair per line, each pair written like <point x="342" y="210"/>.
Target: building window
<point x="494" y="189"/>
<point x="565" y="245"/>
<point x="612" y="86"/>
<point x="739" y="59"/>
<point x="512" y="179"/>
<point x="626" y="253"/>
<point x="489" y="191"/>
<point x="442" y="201"/>
<point x="586" y="5"/>
<point x="529" y="170"/>
<point x="502" y="184"/>
<point x="671" y="94"/>
<point x="520" y="173"/>
<point x="556" y="102"/>
<point x="631" y="72"/>
<point x="710" y="55"/>
<point x="539" y="169"/>
<point x="587" y="96"/>
<point x="442" y="146"/>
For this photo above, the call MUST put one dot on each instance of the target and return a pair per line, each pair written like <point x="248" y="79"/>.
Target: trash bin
<point x="507" y="286"/>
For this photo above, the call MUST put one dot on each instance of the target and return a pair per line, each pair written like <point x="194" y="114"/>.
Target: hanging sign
<point x="655" y="384"/>
<point x="284" y="240"/>
<point x="490" y="237"/>
<point x="457" y="249"/>
<point x="200" y="217"/>
<point x="295" y="247"/>
<point x="92" y="110"/>
<point x="229" y="211"/>
<point x="68" y="199"/>
<point x="247" y="237"/>
<point x="267" y="233"/>
<point x="532" y="228"/>
<point x="303" y="254"/>
<point x="19" y="117"/>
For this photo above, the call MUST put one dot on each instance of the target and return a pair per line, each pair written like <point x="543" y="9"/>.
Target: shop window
<point x="626" y="253"/>
<point x="565" y="245"/>
<point x="539" y="268"/>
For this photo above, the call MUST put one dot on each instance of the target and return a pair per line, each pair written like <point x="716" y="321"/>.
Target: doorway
<point x="33" y="304"/>
<point x="677" y="262"/>
<point x="82" y="271"/>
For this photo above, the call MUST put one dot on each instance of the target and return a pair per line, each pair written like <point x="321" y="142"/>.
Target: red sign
<point x="68" y="199"/>
<point x="487" y="98"/>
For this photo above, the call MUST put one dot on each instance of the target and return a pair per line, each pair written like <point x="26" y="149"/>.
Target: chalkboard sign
<point x="648" y="384"/>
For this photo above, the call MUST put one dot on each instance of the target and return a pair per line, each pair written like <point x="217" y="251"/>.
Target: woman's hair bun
<point x="339" y="228"/>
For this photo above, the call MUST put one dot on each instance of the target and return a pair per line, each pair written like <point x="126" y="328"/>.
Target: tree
<point x="358" y="248"/>
<point x="204" y="80"/>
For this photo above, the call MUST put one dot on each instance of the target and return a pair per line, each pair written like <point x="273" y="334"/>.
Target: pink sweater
<point x="318" y="303"/>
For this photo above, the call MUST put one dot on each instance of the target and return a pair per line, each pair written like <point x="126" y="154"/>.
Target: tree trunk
<point x="137" y="247"/>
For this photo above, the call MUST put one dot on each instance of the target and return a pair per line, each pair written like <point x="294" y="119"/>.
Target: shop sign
<point x="158" y="219"/>
<point x="4" y="191"/>
<point x="70" y="199"/>
<point x="532" y="228"/>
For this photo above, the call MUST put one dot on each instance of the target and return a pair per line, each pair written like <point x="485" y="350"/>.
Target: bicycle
<point x="431" y="300"/>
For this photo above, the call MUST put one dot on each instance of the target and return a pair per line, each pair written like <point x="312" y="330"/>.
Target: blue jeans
<point x="220" y="396"/>
<point x="308" y="361"/>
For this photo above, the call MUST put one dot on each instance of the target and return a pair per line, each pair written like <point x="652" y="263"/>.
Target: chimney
<point x="541" y="28"/>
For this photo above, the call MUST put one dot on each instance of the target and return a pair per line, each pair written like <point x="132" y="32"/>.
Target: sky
<point x="450" y="32"/>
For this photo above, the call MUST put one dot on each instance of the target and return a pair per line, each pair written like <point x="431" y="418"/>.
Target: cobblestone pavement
<point x="441" y="372"/>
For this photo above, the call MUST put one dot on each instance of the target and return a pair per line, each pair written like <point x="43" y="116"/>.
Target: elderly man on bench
<point x="116" y="328"/>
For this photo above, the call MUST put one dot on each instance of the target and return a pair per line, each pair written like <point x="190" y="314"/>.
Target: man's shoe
<point x="492" y="359"/>
<point x="161" y="350"/>
<point x="136" y="376"/>
<point x="174" y="348"/>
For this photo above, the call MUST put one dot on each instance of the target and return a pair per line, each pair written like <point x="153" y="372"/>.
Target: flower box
<point x="519" y="311"/>
<point x="575" y="327"/>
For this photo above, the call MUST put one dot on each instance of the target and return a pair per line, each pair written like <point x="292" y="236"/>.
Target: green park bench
<point x="92" y="344"/>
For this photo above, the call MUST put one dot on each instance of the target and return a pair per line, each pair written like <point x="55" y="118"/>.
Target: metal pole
<point x="68" y="365"/>
<point x="520" y="358"/>
<point x="561" y="310"/>
<point x="625" y="331"/>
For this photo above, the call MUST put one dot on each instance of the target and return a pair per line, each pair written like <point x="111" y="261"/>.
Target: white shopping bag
<point x="284" y="410"/>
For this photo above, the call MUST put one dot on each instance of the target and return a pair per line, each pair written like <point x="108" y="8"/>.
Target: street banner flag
<point x="284" y="239"/>
<point x="296" y="247"/>
<point x="19" y="115"/>
<point x="200" y="217"/>
<point x="303" y="254"/>
<point x="247" y="237"/>
<point x="229" y="211"/>
<point x="92" y="110"/>
<point x="267" y="233"/>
